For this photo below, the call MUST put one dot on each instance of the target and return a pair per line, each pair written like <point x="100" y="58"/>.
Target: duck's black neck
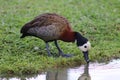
<point x="80" y="39"/>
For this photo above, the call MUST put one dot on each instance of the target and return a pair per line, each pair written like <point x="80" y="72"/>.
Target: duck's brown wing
<point x="46" y="22"/>
<point x="38" y="21"/>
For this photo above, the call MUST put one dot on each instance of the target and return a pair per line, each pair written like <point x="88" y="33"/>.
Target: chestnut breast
<point x="49" y="27"/>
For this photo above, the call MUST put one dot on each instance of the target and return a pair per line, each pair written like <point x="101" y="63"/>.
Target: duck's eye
<point x="85" y="46"/>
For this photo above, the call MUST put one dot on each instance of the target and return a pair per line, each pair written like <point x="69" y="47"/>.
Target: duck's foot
<point x="67" y="55"/>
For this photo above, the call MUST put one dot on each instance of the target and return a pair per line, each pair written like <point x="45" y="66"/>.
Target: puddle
<point x="93" y="71"/>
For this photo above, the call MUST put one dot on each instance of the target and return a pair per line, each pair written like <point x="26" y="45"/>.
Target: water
<point x="93" y="71"/>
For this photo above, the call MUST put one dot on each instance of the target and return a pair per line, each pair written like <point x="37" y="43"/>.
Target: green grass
<point x="98" y="20"/>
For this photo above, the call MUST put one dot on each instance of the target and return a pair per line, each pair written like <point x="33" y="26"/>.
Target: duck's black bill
<point x="86" y="56"/>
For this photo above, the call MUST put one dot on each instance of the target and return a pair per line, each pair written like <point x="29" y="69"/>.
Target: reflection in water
<point x="54" y="75"/>
<point x="95" y="71"/>
<point x="57" y="75"/>
<point x="85" y="75"/>
<point x="63" y="75"/>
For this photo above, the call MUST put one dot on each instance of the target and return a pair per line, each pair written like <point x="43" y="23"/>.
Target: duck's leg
<point x="60" y="51"/>
<point x="47" y="47"/>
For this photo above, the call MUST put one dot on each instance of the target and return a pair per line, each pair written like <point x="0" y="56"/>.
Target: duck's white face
<point x="85" y="47"/>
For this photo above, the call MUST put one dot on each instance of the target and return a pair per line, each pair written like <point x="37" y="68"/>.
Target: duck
<point x="51" y="27"/>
